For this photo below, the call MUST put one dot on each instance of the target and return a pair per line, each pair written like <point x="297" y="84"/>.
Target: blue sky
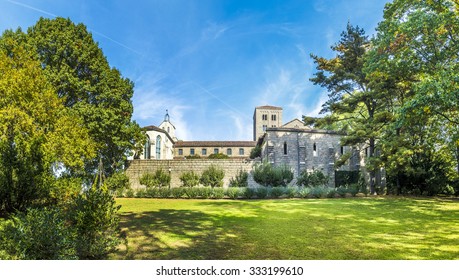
<point x="210" y="62"/>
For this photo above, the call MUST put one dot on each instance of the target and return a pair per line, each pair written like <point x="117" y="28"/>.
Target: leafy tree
<point x="416" y="47"/>
<point x="189" y="179"/>
<point x="360" y="110"/>
<point x="213" y="176"/>
<point x="37" y="132"/>
<point x="273" y="176"/>
<point x="159" y="179"/>
<point x="75" y="65"/>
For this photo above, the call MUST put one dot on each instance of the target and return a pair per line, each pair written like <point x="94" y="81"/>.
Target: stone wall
<point x="136" y="168"/>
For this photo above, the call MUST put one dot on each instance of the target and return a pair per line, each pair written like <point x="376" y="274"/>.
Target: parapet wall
<point x="136" y="168"/>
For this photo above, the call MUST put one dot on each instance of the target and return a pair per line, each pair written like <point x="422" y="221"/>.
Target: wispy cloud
<point x="90" y="29"/>
<point x="32" y="8"/>
<point x="151" y="101"/>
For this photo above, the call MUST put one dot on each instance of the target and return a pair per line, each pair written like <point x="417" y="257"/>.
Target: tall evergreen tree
<point x="353" y="102"/>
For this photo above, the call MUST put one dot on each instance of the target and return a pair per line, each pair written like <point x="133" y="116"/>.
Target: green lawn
<point x="361" y="228"/>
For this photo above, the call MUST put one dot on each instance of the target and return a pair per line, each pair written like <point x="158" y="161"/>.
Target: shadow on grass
<point x="178" y="234"/>
<point x="368" y="228"/>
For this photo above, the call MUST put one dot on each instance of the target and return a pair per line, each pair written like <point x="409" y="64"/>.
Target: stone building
<point x="292" y="144"/>
<point x="233" y="149"/>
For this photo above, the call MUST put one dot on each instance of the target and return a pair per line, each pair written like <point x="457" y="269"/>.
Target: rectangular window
<point x="314" y="150"/>
<point x="264" y="117"/>
<point x="180" y="152"/>
<point x="264" y="128"/>
<point x="229" y="151"/>
<point x="216" y="151"/>
<point x="204" y="152"/>
<point x="241" y="151"/>
<point x="192" y="152"/>
<point x="273" y="117"/>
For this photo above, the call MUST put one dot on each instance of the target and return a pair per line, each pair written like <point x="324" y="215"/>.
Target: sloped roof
<point x="155" y="128"/>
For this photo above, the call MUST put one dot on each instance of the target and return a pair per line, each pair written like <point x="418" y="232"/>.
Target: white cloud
<point x="151" y="102"/>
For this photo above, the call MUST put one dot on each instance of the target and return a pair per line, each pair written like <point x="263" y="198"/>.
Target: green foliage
<point x="218" y="156"/>
<point x="177" y="192"/>
<point x="277" y="192"/>
<point x="261" y="192"/>
<point x="255" y="152"/>
<point x="213" y="176"/>
<point x="37" y="132"/>
<point x="319" y="192"/>
<point x="291" y="192"/>
<point x="240" y="180"/>
<point x="192" y="193"/>
<point x="233" y="193"/>
<point x="189" y="179"/>
<point x="248" y="193"/>
<point x="76" y="67"/>
<point x="315" y="178"/>
<point x="117" y="181"/>
<point x="304" y="192"/>
<point x="196" y="156"/>
<point x="39" y="234"/>
<point x="268" y="175"/>
<point x="93" y="217"/>
<point x="346" y="177"/>
<point x="159" y="179"/>
<point x="218" y="193"/>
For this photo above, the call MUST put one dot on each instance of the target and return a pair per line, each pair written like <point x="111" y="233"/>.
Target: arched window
<point x="158" y="147"/>
<point x="147" y="148"/>
<point x="314" y="149"/>
<point x="285" y="148"/>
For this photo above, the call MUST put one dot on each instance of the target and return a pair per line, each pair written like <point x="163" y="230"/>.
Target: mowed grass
<point x="365" y="228"/>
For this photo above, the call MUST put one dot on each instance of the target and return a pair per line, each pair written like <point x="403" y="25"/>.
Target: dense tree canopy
<point x="37" y="132"/>
<point x="399" y="93"/>
<point x="77" y="68"/>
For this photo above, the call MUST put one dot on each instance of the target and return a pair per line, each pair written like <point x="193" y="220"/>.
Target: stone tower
<point x="265" y="117"/>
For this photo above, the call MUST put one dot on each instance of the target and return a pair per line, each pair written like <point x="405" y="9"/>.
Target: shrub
<point x="233" y="193"/>
<point x="319" y="192"/>
<point x="41" y="234"/>
<point x="150" y="192"/>
<point x="218" y="156"/>
<point x="159" y="179"/>
<point x="312" y="179"/>
<point x="177" y="192"/>
<point x="304" y="192"/>
<point x="248" y="193"/>
<point x="277" y="192"/>
<point x="218" y="193"/>
<point x="192" y="192"/>
<point x="130" y="193"/>
<point x="93" y="216"/>
<point x="255" y="152"/>
<point x="291" y="192"/>
<point x="213" y="176"/>
<point x="118" y="181"/>
<point x="261" y="192"/>
<point x="164" y="192"/>
<point x="205" y="192"/>
<point x="240" y="181"/>
<point x="193" y="157"/>
<point x="267" y="175"/>
<point x="189" y="179"/>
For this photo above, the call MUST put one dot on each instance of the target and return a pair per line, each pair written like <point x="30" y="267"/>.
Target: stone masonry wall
<point x="136" y="168"/>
